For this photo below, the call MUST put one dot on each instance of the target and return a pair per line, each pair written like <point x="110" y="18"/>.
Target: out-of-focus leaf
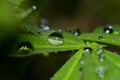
<point x="112" y="39"/>
<point x="41" y="44"/>
<point x="71" y="70"/>
<point x="16" y="2"/>
<point x="7" y="16"/>
<point x="113" y="57"/>
<point x="93" y="69"/>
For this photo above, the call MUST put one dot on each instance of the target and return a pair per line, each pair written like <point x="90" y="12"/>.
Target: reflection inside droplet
<point x="56" y="39"/>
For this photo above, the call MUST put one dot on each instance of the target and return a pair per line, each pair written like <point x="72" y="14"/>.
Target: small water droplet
<point x="24" y="47"/>
<point x="101" y="71"/>
<point x="87" y="50"/>
<point x="101" y="38"/>
<point x="108" y="30"/>
<point x="45" y="24"/>
<point x="45" y="27"/>
<point x="56" y="39"/>
<point x="34" y="7"/>
<point x="75" y="31"/>
<point x="56" y="51"/>
<point x="81" y="62"/>
<point x="101" y="56"/>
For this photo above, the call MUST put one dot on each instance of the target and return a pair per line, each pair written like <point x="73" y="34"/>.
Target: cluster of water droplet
<point x="101" y="69"/>
<point x="106" y="30"/>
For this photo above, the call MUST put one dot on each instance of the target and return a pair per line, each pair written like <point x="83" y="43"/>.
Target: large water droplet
<point x="108" y="30"/>
<point x="25" y="47"/>
<point x="101" y="71"/>
<point x="87" y="50"/>
<point x="56" y="39"/>
<point x="75" y="31"/>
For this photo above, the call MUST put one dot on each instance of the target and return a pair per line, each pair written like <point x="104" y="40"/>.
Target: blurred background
<point x="61" y="14"/>
<point x="85" y="14"/>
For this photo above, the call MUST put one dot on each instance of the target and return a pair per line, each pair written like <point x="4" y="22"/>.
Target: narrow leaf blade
<point x="115" y="28"/>
<point x="112" y="39"/>
<point x="114" y="58"/>
<point x="16" y="2"/>
<point x="70" y="71"/>
<point x="93" y="69"/>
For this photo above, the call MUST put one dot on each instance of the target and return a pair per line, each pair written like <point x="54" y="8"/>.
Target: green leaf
<point x="93" y="69"/>
<point x="16" y="2"/>
<point x="113" y="57"/>
<point x="41" y="44"/>
<point x="112" y="39"/>
<point x="71" y="70"/>
<point x="89" y="67"/>
<point x="7" y="17"/>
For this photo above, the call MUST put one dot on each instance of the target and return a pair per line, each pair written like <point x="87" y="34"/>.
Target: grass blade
<point x="70" y="71"/>
<point x="112" y="39"/>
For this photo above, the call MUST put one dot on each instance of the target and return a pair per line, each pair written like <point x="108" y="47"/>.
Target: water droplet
<point x="75" y="31"/>
<point x="101" y="71"/>
<point x="101" y="38"/>
<point x="38" y="33"/>
<point x="101" y="55"/>
<point x="81" y="62"/>
<point x="34" y="7"/>
<point x="87" y="50"/>
<point x="108" y="30"/>
<point x="44" y="24"/>
<point x="25" y="47"/>
<point x="56" y="39"/>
